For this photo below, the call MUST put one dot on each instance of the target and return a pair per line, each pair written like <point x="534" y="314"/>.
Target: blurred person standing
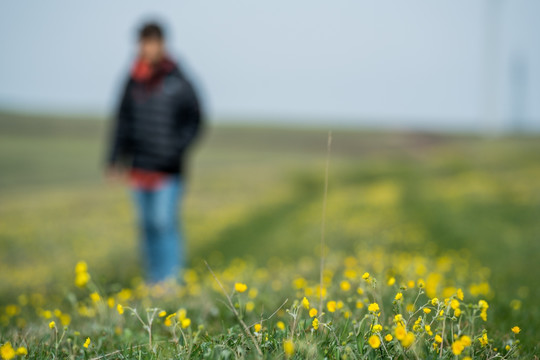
<point x="157" y="120"/>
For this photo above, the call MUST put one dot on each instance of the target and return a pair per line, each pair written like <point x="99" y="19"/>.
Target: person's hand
<point x="115" y="174"/>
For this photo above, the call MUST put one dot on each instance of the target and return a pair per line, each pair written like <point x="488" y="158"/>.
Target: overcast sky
<point x="402" y="63"/>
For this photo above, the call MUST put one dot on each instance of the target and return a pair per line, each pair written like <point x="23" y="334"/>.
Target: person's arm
<point x="119" y="136"/>
<point x="189" y="118"/>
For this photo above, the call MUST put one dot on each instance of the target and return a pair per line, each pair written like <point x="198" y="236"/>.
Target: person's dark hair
<point x="151" y="30"/>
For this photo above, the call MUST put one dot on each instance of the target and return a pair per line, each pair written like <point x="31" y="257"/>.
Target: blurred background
<point x="433" y="106"/>
<point x="453" y="65"/>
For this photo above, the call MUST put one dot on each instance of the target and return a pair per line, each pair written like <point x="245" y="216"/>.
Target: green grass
<point x="256" y="193"/>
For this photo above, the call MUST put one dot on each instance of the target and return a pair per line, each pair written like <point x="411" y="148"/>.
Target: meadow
<point x="431" y="247"/>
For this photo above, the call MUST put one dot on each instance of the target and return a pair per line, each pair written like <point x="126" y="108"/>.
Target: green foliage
<point x="404" y="206"/>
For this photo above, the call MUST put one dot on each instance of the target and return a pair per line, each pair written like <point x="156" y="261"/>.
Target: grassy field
<point x="423" y="214"/>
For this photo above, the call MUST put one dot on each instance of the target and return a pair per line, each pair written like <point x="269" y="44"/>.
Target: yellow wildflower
<point x="182" y="313"/>
<point x="350" y="273"/>
<point x="120" y="309"/>
<point x="305" y="302"/>
<point x="125" y="294"/>
<point x="315" y="323"/>
<point x="516" y="329"/>
<point x="185" y="322"/>
<point x="483" y="340"/>
<point x="331" y="306"/>
<point x="427" y="310"/>
<point x="438" y="338"/>
<point x="12" y="310"/>
<point x="373" y="307"/>
<point x="162" y="314"/>
<point x="299" y="283"/>
<point x="515" y="304"/>
<point x="81" y="279"/>
<point x="376" y="328"/>
<point x="257" y="327"/>
<point x="65" y="319"/>
<point x="280" y="325"/>
<point x="345" y="285"/>
<point x="81" y="267"/>
<point x="240" y="287"/>
<point x="388" y="338"/>
<point x="7" y="352"/>
<point x="253" y="293"/>
<point x="321" y="291"/>
<point x="374" y="341"/>
<point x="365" y="276"/>
<point x="398" y="296"/>
<point x="52" y="325"/>
<point x="483" y="315"/>
<point x="460" y="294"/>
<point x="81" y="274"/>
<point x="87" y="343"/>
<point x="457" y="347"/>
<point x="466" y="340"/>
<point x="391" y="281"/>
<point x="408" y="340"/>
<point x="400" y="332"/>
<point x="95" y="296"/>
<point x="483" y="304"/>
<point x="312" y="312"/>
<point x="288" y="347"/>
<point x="168" y="321"/>
<point x="21" y="351"/>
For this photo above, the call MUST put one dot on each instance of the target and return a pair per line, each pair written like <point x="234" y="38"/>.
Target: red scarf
<point x="151" y="76"/>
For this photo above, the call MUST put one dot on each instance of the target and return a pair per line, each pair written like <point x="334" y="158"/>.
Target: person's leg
<point x="147" y="238"/>
<point x="182" y="245"/>
<point x="164" y="224"/>
<point x="179" y="226"/>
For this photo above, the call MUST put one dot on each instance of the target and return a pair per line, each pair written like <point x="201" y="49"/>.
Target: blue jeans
<point x="162" y="243"/>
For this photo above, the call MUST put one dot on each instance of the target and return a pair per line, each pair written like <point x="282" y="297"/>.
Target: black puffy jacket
<point x="153" y="128"/>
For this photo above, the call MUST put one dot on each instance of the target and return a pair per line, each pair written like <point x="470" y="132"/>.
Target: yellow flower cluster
<point x="420" y="320"/>
<point x="7" y="352"/>
<point x="459" y="345"/>
<point x="483" y="309"/>
<point x="82" y="277"/>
